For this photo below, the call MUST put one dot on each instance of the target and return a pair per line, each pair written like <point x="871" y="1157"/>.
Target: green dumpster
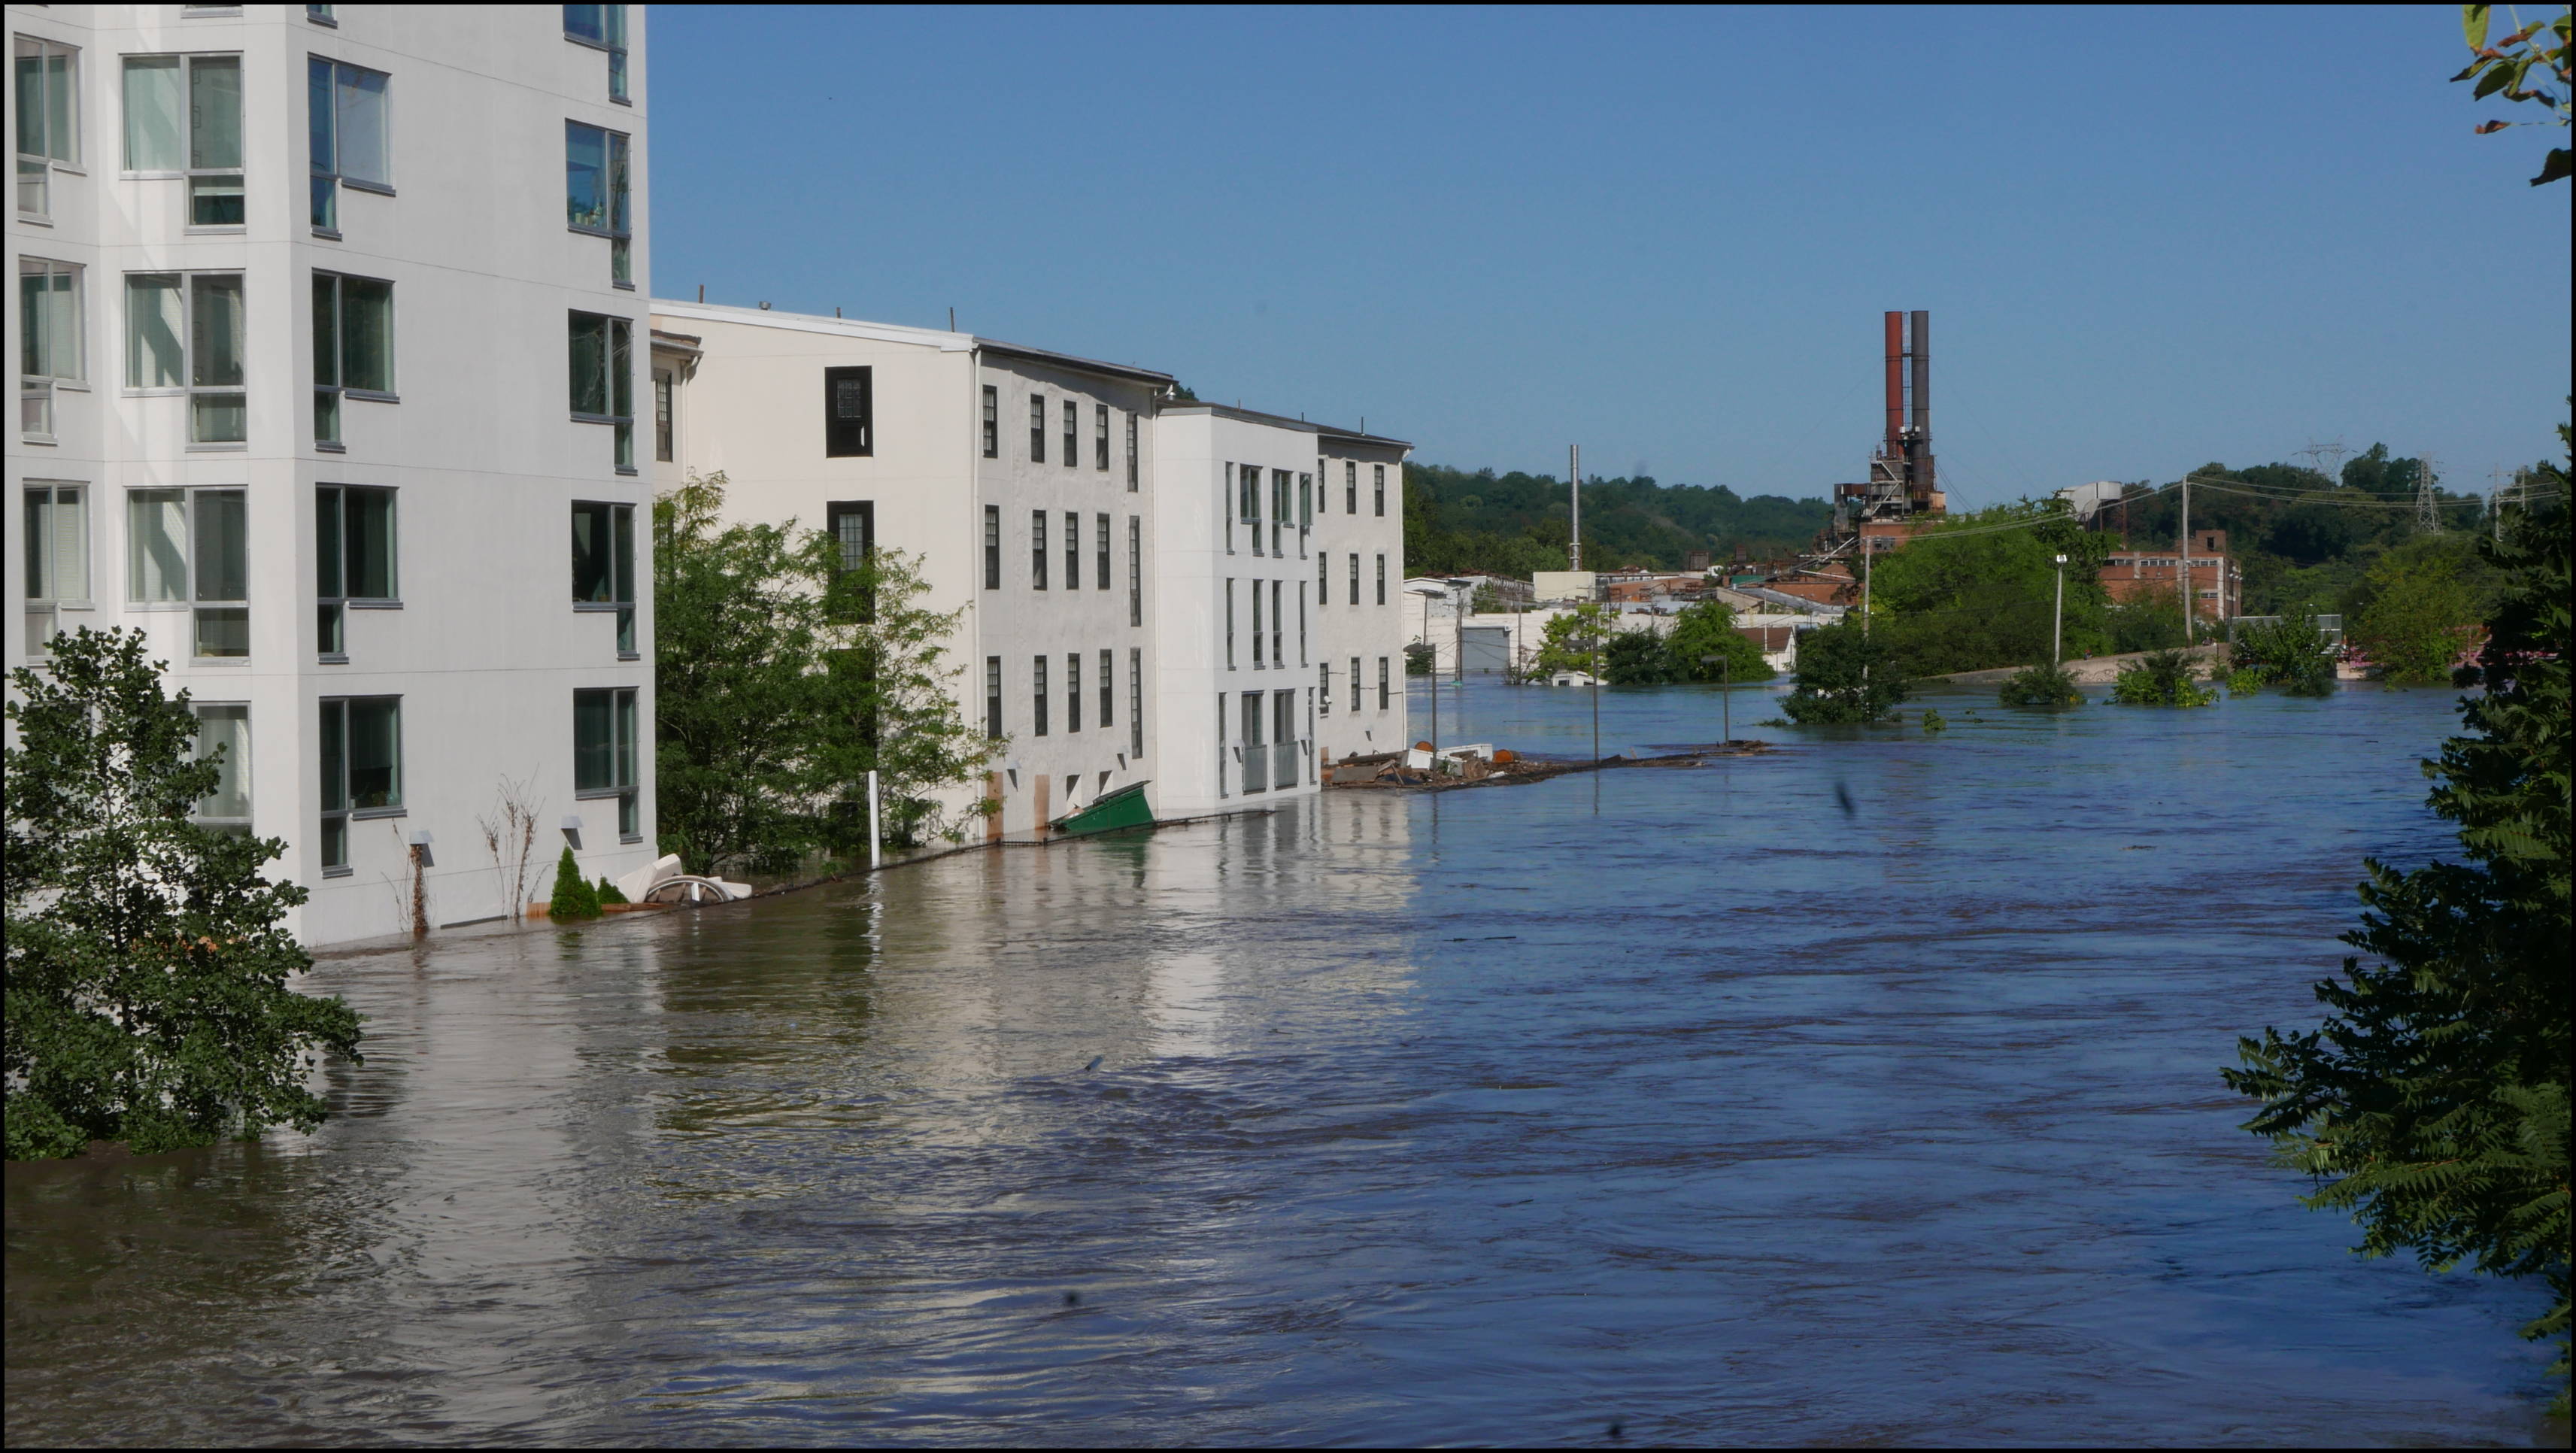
<point x="1124" y="808"/>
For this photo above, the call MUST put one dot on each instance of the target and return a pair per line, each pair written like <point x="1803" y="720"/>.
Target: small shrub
<point x="1932" y="721"/>
<point x="2247" y="680"/>
<point x="2041" y="686"/>
<point x="2290" y="653"/>
<point x="574" y="899"/>
<point x="2164" y="678"/>
<point x="608" y="893"/>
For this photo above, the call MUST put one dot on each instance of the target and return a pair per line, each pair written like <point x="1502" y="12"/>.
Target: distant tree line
<point x="1461" y="523"/>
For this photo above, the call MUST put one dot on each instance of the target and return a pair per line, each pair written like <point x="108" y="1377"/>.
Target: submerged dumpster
<point x="1124" y="808"/>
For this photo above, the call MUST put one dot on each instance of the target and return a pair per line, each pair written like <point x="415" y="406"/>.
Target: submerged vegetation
<point x="2041" y="686"/>
<point x="2165" y="678"/>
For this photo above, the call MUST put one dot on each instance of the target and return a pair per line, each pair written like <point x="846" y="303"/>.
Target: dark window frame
<point x="620" y="752"/>
<point x="845" y="437"/>
<point x="992" y="422"/>
<point x="1038" y="697"/>
<point x="852" y="525"/>
<point x="992" y="547"/>
<point x="1037" y="549"/>
<point x="337" y="537"/>
<point x="1037" y="428"/>
<point x="1100" y="437"/>
<point x="616" y="573"/>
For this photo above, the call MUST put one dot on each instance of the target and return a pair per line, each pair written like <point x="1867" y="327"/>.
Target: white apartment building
<point x="1094" y="531"/>
<point x="330" y="321"/>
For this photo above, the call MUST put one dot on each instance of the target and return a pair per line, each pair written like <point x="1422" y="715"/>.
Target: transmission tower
<point x="2428" y="515"/>
<point x="2327" y="458"/>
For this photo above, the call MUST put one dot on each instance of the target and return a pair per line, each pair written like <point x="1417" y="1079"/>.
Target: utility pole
<point x="1574" y="485"/>
<point x="2190" y="597"/>
<point x="2495" y="501"/>
<point x="2057" y="629"/>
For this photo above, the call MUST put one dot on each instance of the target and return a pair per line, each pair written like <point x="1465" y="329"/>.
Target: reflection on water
<point x="1683" y="1099"/>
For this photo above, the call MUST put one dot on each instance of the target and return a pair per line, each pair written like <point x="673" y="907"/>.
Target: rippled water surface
<point x="1694" y="1101"/>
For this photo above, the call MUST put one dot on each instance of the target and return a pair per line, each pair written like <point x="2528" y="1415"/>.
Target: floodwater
<point x="1862" y="1093"/>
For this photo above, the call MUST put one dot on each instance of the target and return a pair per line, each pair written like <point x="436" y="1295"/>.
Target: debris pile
<point x="1481" y="764"/>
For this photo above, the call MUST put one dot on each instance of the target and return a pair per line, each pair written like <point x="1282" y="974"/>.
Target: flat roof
<point x="1281" y="421"/>
<point x="939" y="338"/>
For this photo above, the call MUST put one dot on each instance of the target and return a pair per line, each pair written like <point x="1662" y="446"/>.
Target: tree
<point x="2041" y="686"/>
<point x="2432" y="1103"/>
<point x="1636" y="658"/>
<point x="1981" y="590"/>
<point x="783" y="673"/>
<point x="2148" y="621"/>
<point x="2504" y="69"/>
<point x="2418" y="621"/>
<point x="148" y="957"/>
<point x="1571" y="638"/>
<point x="574" y="899"/>
<point x="2290" y="653"/>
<point x="2164" y="678"/>
<point x="1844" y="676"/>
<point x="1707" y="628"/>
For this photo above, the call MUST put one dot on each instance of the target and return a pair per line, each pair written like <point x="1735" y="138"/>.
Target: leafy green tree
<point x="2041" y="686"/>
<point x="2419" y="620"/>
<point x="1707" y="628"/>
<point x="1637" y="658"/>
<point x="2149" y="621"/>
<point x="1981" y="591"/>
<point x="783" y="673"/>
<point x="2432" y="1104"/>
<point x="1570" y="638"/>
<point x="148" y="958"/>
<point x="2290" y="653"/>
<point x="2166" y="678"/>
<point x="2504" y="69"/>
<point x="1845" y="675"/>
<point x="573" y="899"/>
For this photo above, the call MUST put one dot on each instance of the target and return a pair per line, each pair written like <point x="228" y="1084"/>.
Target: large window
<point x="183" y="118"/>
<point x="1381" y="580"/>
<point x="1324" y="578"/>
<point x="602" y="352"/>
<point x="1073" y="549"/>
<point x="1038" y="698"/>
<point x="603" y="565"/>
<point x="992" y="547"/>
<point x="57" y="555"/>
<point x="993" y="697"/>
<point x="1355" y="578"/>
<point x="361" y="769"/>
<point x="602" y="27"/>
<point x="1037" y="550"/>
<point x="1037" y="428"/>
<point x="1305" y="512"/>
<point x="664" y="425"/>
<point x="223" y="736"/>
<point x="849" y="406"/>
<point x="1100" y="539"/>
<point x="992" y="422"/>
<point x="353" y="539"/>
<point x="596" y="187"/>
<point x="1257" y="663"/>
<point x="1379" y="471"/>
<point x="1350" y="491"/>
<point x="604" y="732"/>
<point x="1073" y="691"/>
<point x="351" y="139"/>
<point x="353" y="346"/>
<point x="49" y="340"/>
<point x="191" y="548"/>
<point x="183" y="334"/>
<point x="1278" y="623"/>
<point x="1278" y="509"/>
<point x="1381" y="683"/>
<point x="1108" y="690"/>
<point x="1072" y="416"/>
<point x="1100" y="437"/>
<point x="852" y="525"/>
<point x="48" y="80"/>
<point x="1357" y="691"/>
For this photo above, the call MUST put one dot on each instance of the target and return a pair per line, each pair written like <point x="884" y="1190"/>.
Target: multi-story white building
<point x="320" y="389"/>
<point x="1147" y="584"/>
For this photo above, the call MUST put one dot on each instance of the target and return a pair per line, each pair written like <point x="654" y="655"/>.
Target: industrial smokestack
<point x="1923" y="379"/>
<point x="1895" y="382"/>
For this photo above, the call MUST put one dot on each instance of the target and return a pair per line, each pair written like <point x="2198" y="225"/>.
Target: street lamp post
<point x="2057" y="629"/>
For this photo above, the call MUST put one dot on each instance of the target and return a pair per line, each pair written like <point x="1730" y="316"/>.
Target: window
<point x="48" y="77"/>
<point x="1072" y="550"/>
<point x="853" y="527"/>
<point x="183" y="117"/>
<point x="1037" y="550"/>
<point x="322" y="15"/>
<point x="1220" y="745"/>
<point x="1100" y="437"/>
<point x="603" y="753"/>
<point x="49" y="340"/>
<point x="1135" y="570"/>
<point x="1038" y="723"/>
<point x="1229" y="625"/>
<point x="1324" y="689"/>
<point x="602" y="27"/>
<point x="597" y="187"/>
<point x="1072" y="416"/>
<point x="1354" y="597"/>
<point x="1278" y="625"/>
<point x="1225" y="507"/>
<point x="1350" y="487"/>
<point x="603" y="564"/>
<point x="992" y="547"/>
<point x="1324" y="578"/>
<point x="1278" y="508"/>
<point x="191" y="547"/>
<point x="1355" y="685"/>
<point x="1108" y="690"/>
<point x="1301" y="623"/>
<point x="1131" y="451"/>
<point x="57" y="534"/>
<point x="361" y="769"/>
<point x="1305" y="511"/>
<point x="345" y="120"/>
<point x="1379" y="470"/>
<point x="1256" y="626"/>
<point x="1073" y="691"/>
<point x="993" y="697"/>
<point x="353" y="346"/>
<point x="992" y="422"/>
<point x="183" y="332"/>
<point x="353" y="537"/>
<point x="223" y="735"/>
<point x="1248" y="501"/>
<point x="1135" y="703"/>
<point x="664" y="435"/>
<point x="1037" y="428"/>
<point x="1381" y="580"/>
<point x="1381" y="683"/>
<point x="848" y="405"/>
<point x="602" y="353"/>
<point x="1256" y="761"/>
<point x="1100" y="552"/>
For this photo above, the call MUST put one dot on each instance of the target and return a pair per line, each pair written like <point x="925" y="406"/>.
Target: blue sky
<point x="2148" y="239"/>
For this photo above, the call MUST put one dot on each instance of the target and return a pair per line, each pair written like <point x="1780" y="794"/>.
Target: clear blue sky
<point x="2148" y="239"/>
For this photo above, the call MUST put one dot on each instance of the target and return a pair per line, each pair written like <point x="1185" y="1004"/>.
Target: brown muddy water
<point x="1693" y="1102"/>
